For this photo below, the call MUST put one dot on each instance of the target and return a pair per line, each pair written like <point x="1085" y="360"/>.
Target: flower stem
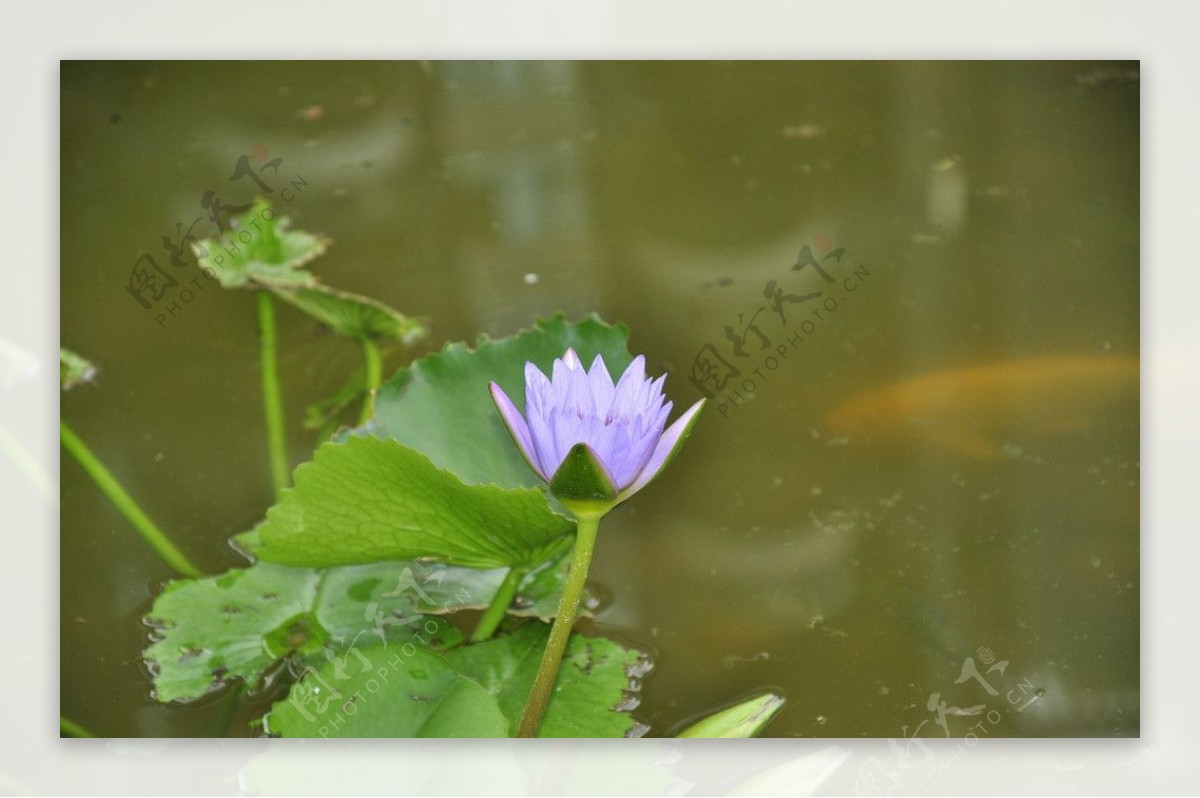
<point x="374" y="375"/>
<point x="503" y="599"/>
<point x="124" y="502"/>
<point x="560" y="632"/>
<point x="272" y="395"/>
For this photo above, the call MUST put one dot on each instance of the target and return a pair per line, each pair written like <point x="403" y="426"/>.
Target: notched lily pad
<point x="353" y="315"/>
<point x="371" y="500"/>
<point x="241" y="624"/>
<point x="260" y="251"/>
<point x="476" y="690"/>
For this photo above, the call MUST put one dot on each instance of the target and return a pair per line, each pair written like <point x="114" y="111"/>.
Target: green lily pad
<point x="539" y="592"/>
<point x="744" y="719"/>
<point x="243" y="623"/>
<point x="261" y="251"/>
<point x="476" y="690"/>
<point x="390" y="694"/>
<point x="240" y="624"/>
<point x="352" y="315"/>
<point x="369" y="500"/>
<point x="441" y="407"/>
<point x="473" y="588"/>
<point x="74" y="370"/>
<point x="594" y="694"/>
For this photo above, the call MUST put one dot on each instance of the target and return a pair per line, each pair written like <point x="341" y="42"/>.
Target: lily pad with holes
<point x="242" y="624"/>
<point x="476" y="690"/>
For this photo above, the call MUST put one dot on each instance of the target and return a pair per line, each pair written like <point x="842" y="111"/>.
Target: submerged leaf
<point x="440" y="405"/>
<point x="477" y="690"/>
<point x="368" y="500"/>
<point x="745" y="719"/>
<point x="323" y="415"/>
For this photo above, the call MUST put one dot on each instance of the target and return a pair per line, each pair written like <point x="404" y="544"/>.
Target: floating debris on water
<point x="733" y="659"/>
<point x="805" y="131"/>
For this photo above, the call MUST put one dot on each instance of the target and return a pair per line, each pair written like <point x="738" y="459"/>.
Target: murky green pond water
<point x="931" y="457"/>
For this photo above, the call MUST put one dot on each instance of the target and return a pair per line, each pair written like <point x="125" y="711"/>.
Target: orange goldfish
<point x="965" y="409"/>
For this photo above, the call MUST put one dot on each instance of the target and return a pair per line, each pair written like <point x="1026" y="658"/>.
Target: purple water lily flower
<point x="621" y="425"/>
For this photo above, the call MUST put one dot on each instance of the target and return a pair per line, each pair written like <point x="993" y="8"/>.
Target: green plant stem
<point x="503" y="599"/>
<point x="374" y="375"/>
<point x="71" y="728"/>
<point x="272" y="395"/>
<point x="564" y="621"/>
<point x="124" y="503"/>
<point x="25" y="462"/>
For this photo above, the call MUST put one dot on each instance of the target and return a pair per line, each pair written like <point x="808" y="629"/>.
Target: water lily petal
<point x="516" y="426"/>
<point x="666" y="448"/>
<point x="621" y="425"/>
<point x="560" y="372"/>
<point x="537" y="389"/>
<point x="603" y="438"/>
<point x="576" y="395"/>
<point x="602" y="386"/>
<point x="543" y="443"/>
<point x="632" y="382"/>
<point x="637" y="445"/>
